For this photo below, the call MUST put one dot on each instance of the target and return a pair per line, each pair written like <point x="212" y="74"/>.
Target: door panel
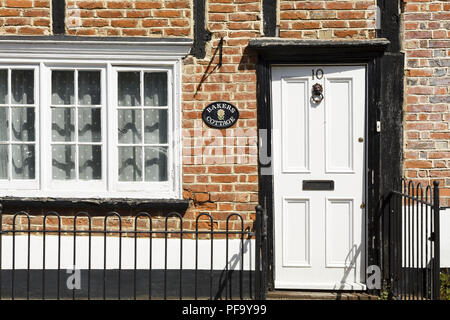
<point x="319" y="233"/>
<point x="295" y="142"/>
<point x="296" y="230"/>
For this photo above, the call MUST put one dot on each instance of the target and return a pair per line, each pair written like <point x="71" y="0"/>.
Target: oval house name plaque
<point x="220" y="115"/>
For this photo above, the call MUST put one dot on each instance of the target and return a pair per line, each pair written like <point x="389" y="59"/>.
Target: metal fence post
<point x="1" y="251"/>
<point x="436" y="226"/>
<point x="264" y="254"/>
<point x="258" y="251"/>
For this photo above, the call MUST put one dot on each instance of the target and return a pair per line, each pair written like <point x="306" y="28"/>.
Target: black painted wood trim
<point x="318" y="50"/>
<point x="390" y="23"/>
<point x="201" y="34"/>
<point x="265" y="178"/>
<point x="269" y="17"/>
<point x="371" y="57"/>
<point x="58" y="16"/>
<point x="135" y="204"/>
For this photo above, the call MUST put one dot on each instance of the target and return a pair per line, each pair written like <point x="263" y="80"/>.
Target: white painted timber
<point x="319" y="235"/>
<point x="128" y="244"/>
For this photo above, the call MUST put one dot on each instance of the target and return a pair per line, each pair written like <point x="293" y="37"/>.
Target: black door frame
<point x="304" y="52"/>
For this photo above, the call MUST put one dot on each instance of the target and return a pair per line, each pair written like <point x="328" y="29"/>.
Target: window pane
<point x="63" y="124"/>
<point x="23" y="124"/>
<point x="3" y="161"/>
<point x="130" y="126"/>
<point x="155" y="89"/>
<point x="129" y="89"/>
<point x="89" y="125"/>
<point x="63" y="87"/>
<point x="4" y="132"/>
<point x="88" y="87"/>
<point x="155" y="164"/>
<point x="63" y="162"/>
<point x="23" y="161"/>
<point x="130" y="163"/>
<point x="90" y="162"/>
<point x="155" y="126"/>
<point x="22" y="86"/>
<point x="3" y="86"/>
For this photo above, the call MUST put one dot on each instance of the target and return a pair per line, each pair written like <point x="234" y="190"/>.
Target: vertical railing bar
<point x="117" y="215"/>
<point x="196" y="259"/>
<point x="211" y="220"/>
<point x="421" y="243"/>
<point x="417" y="270"/>
<point x="426" y="240"/>
<point x="89" y="255"/>
<point x="58" y="282"/>
<point x="43" y="257"/>
<point x="14" y="254"/>
<point x="432" y="251"/>
<point x="393" y="219"/>
<point x="413" y="274"/>
<point x="241" y="275"/>
<point x="13" y="270"/>
<point x="104" y="256"/>
<point x="28" y="257"/>
<point x="392" y="201"/>
<point x="120" y="256"/>
<point x="44" y="246"/>
<point x="405" y="242"/>
<point x="265" y="249"/>
<point x="135" y="255"/>
<point x="409" y="244"/>
<point x="229" y="273"/>
<point x="389" y="243"/>
<point x="181" y="257"/>
<point x="258" y="251"/>
<point x="1" y="250"/>
<point x="399" y="222"/>
<point x="436" y="225"/>
<point x="74" y="250"/>
<point x="430" y="244"/>
<point x="211" y="262"/>
<point x="144" y="215"/>
<point x="165" y="260"/>
<point x="150" y="259"/>
<point x="226" y="263"/>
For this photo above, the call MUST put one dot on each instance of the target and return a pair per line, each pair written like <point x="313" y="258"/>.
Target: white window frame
<point x="108" y="56"/>
<point x="151" y="186"/>
<point x="46" y="133"/>
<point x="27" y="184"/>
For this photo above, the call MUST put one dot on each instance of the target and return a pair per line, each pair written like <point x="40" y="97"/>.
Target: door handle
<point x="317" y="93"/>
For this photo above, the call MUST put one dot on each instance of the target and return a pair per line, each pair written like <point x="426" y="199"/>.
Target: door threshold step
<point x="318" y="295"/>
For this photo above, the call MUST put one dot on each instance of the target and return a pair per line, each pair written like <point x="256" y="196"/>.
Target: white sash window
<point x="81" y="119"/>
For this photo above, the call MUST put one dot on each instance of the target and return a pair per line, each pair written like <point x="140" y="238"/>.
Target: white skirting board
<point x="127" y="256"/>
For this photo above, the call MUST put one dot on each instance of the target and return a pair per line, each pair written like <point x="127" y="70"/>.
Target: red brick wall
<point x="427" y="76"/>
<point x="220" y="171"/>
<point x="149" y="18"/>
<point x="220" y="167"/>
<point x="353" y="19"/>
<point x="25" y="17"/>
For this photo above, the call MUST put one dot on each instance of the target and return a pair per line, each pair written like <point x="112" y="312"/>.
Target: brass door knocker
<point x="317" y="93"/>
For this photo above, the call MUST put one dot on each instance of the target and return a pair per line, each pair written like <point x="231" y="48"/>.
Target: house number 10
<point x="317" y="73"/>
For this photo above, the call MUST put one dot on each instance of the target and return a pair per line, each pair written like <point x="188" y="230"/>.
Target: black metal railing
<point x="410" y="241"/>
<point x="135" y="257"/>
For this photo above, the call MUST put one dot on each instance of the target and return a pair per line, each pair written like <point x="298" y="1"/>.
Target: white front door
<point x="318" y="159"/>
